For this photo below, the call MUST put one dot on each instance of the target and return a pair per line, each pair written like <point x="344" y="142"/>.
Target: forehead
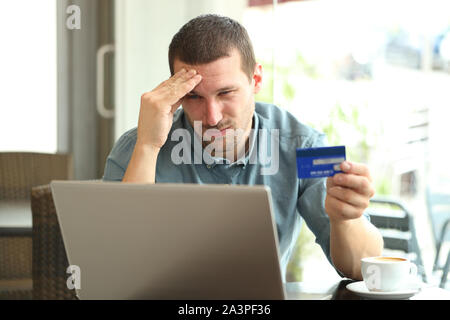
<point x="225" y="71"/>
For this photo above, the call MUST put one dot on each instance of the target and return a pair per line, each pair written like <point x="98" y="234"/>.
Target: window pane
<point x="374" y="76"/>
<point x="28" y="76"/>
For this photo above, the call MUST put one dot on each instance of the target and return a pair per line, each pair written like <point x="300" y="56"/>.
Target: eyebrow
<point x="227" y="88"/>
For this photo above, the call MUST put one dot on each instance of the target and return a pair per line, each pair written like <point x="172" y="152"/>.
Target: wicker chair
<point x="19" y="172"/>
<point x="49" y="255"/>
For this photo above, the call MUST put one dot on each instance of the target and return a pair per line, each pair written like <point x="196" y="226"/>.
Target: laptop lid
<point x="170" y="241"/>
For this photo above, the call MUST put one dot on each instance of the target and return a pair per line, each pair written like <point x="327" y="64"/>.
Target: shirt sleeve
<point x="119" y="157"/>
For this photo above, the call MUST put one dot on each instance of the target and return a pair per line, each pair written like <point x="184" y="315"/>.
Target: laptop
<point x="169" y="241"/>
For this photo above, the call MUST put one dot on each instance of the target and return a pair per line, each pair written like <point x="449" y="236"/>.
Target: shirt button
<point x="208" y="166"/>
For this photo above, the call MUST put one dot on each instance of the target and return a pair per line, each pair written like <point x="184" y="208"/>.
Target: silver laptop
<point x="169" y="241"/>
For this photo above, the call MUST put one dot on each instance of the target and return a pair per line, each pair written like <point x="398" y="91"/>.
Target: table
<point x="15" y="217"/>
<point x="338" y="291"/>
<point x="15" y="221"/>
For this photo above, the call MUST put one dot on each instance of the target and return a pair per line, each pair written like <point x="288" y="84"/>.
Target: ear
<point x="257" y="78"/>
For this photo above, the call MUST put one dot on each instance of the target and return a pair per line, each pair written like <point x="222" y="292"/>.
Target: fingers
<point x="349" y="193"/>
<point x="356" y="176"/>
<point x="176" y="87"/>
<point x="341" y="210"/>
<point x="175" y="77"/>
<point x="330" y="182"/>
<point x="356" y="168"/>
<point x="349" y="196"/>
<point x="183" y="83"/>
<point x="359" y="184"/>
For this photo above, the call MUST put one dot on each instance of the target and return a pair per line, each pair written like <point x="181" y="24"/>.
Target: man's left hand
<point x="348" y="193"/>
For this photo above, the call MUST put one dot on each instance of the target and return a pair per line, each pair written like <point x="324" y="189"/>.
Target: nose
<point x="213" y="113"/>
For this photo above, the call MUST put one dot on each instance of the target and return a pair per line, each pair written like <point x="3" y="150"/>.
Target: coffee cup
<point x="385" y="274"/>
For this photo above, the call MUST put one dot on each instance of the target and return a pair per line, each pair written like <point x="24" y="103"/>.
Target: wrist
<point x="146" y="148"/>
<point x="142" y="165"/>
<point x="343" y="222"/>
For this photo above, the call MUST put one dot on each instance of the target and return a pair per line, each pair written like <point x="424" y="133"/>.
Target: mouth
<point x="219" y="133"/>
<point x="223" y="132"/>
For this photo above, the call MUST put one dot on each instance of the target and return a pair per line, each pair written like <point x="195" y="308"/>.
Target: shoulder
<point x="122" y="150"/>
<point x="290" y="129"/>
<point x="126" y="141"/>
<point x="118" y="158"/>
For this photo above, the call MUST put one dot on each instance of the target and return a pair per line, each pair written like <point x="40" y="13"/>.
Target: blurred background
<point x="373" y="75"/>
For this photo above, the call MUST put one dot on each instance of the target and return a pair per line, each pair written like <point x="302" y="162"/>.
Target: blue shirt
<point x="294" y="200"/>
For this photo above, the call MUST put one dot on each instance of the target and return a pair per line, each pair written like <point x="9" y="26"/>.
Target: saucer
<point x="360" y="289"/>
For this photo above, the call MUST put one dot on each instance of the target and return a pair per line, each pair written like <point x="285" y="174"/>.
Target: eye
<point x="223" y="93"/>
<point x="192" y="96"/>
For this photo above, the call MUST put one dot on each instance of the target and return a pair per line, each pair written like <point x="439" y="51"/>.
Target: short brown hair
<point x="209" y="37"/>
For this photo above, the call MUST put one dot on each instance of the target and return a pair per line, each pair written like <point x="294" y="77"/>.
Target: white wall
<point x="144" y="29"/>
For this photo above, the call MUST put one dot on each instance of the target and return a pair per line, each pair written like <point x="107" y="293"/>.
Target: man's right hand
<point x="155" y="121"/>
<point x="159" y="105"/>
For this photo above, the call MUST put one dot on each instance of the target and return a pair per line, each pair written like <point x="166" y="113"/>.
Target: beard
<point x="225" y="146"/>
<point x="231" y="144"/>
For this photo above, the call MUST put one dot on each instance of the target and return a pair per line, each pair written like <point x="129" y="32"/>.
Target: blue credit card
<point x="319" y="162"/>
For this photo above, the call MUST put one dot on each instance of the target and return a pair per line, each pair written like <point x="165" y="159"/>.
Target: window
<point x="372" y="75"/>
<point x="28" y="76"/>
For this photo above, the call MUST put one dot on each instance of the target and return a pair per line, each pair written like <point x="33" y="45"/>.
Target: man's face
<point x="224" y="99"/>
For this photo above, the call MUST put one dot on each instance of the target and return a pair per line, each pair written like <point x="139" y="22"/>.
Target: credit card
<point x="319" y="162"/>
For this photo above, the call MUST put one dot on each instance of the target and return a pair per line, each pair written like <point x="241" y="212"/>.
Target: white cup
<point x="384" y="274"/>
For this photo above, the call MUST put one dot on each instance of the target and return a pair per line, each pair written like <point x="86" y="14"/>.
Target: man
<point x="214" y="79"/>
